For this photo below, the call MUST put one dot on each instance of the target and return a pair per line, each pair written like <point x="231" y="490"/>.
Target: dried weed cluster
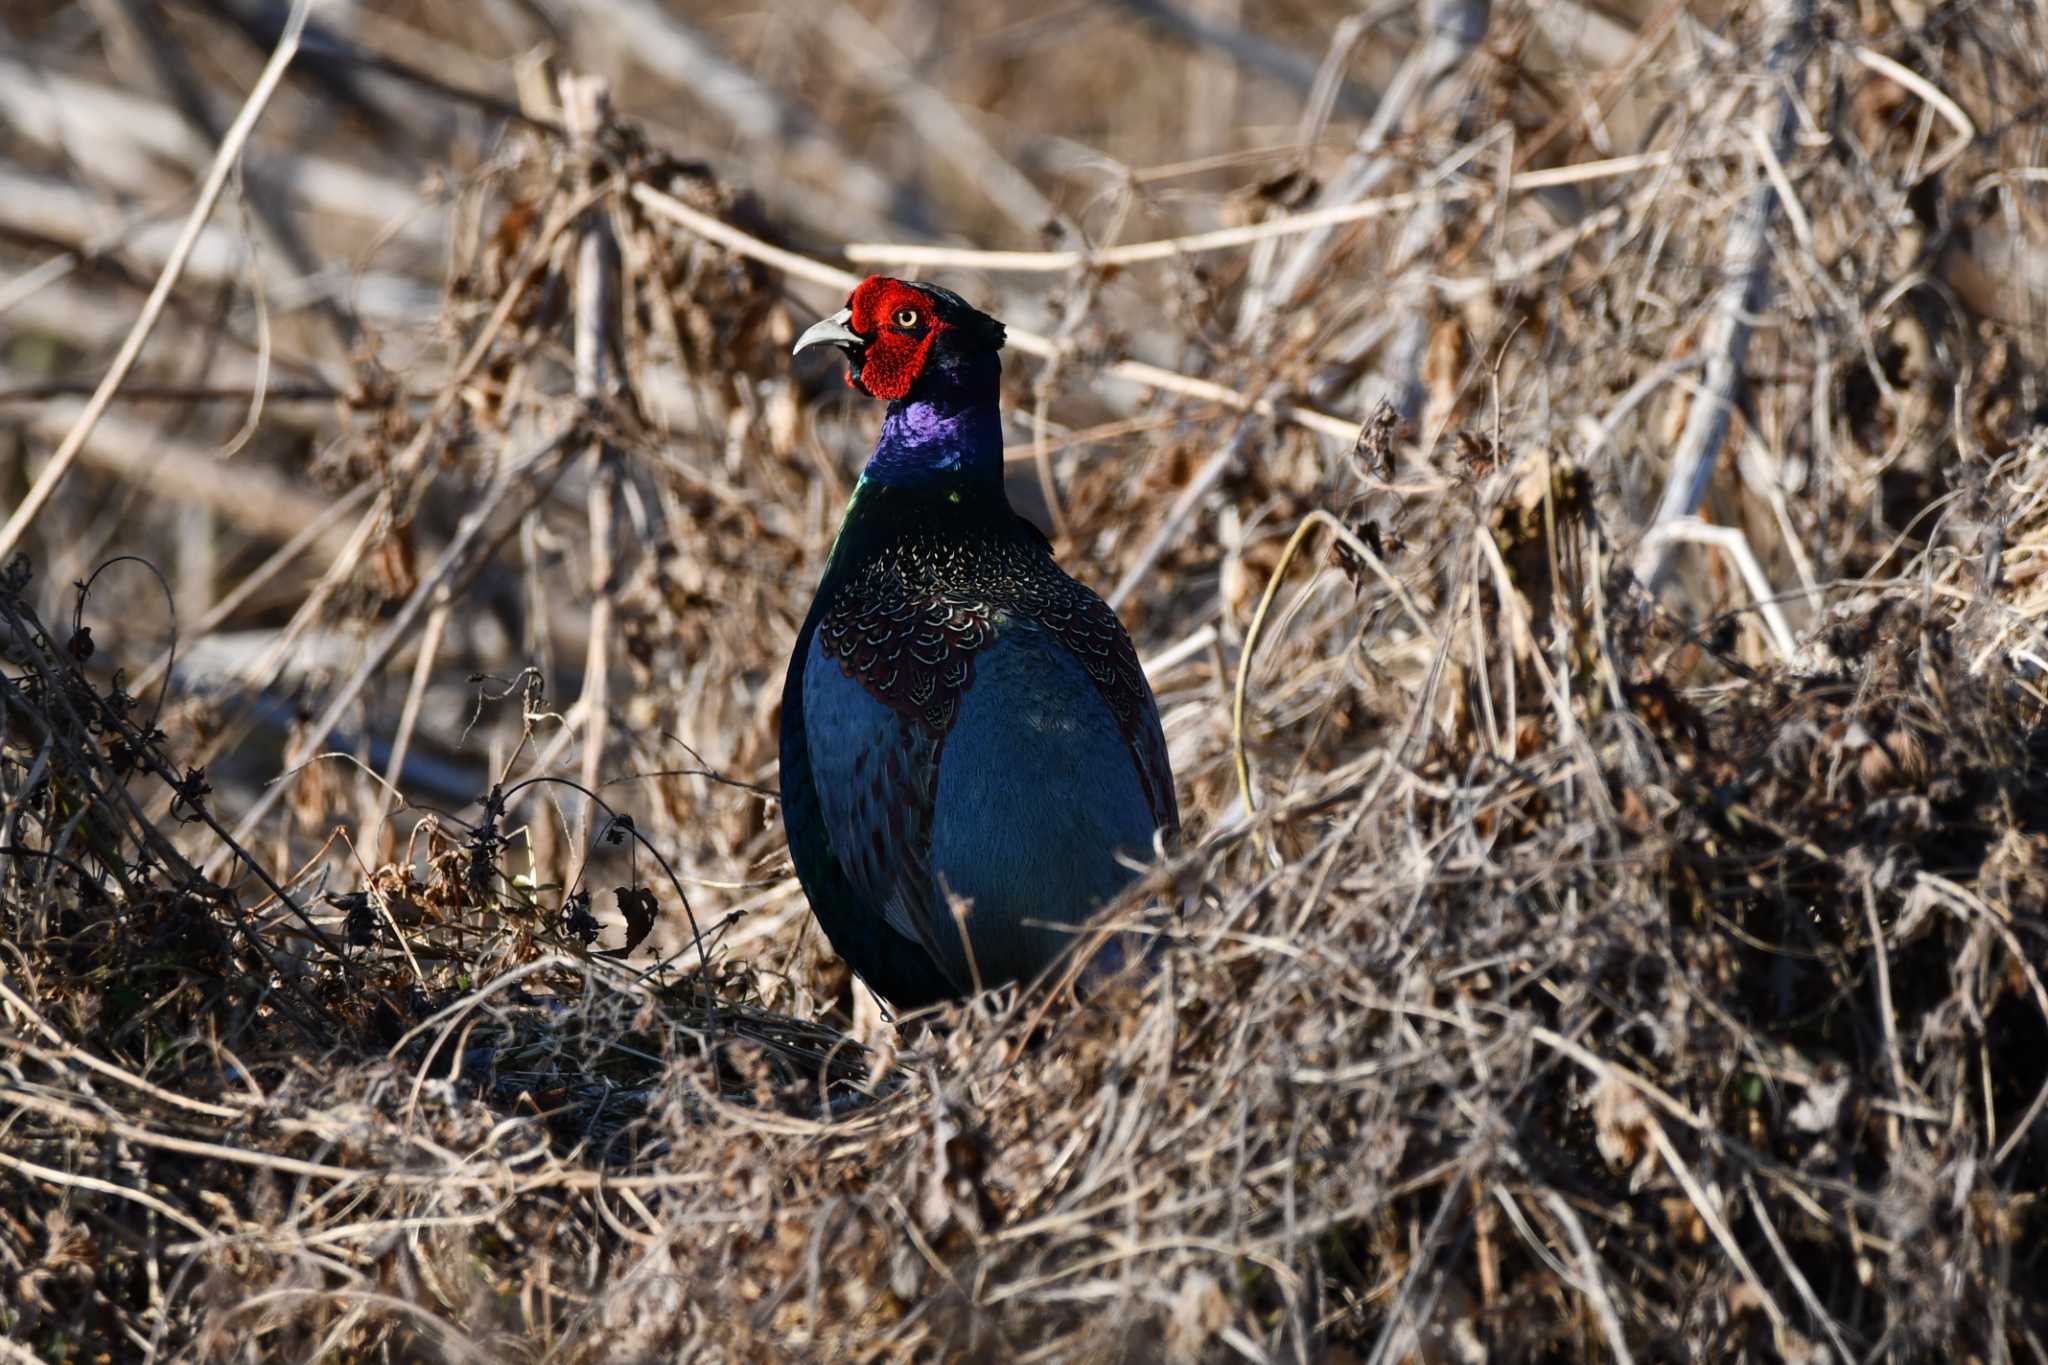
<point x="407" y="965"/>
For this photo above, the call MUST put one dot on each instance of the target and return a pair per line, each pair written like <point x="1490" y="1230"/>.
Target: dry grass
<point x="409" y="966"/>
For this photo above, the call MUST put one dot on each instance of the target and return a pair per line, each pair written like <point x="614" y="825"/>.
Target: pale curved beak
<point x="831" y="331"/>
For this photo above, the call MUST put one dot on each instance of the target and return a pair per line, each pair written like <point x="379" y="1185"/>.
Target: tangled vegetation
<point x="1613" y="914"/>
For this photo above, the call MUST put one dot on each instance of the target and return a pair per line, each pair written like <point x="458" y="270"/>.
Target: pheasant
<point x="968" y="741"/>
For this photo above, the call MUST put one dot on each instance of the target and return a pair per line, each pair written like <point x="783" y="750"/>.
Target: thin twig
<point x="1133" y="371"/>
<point x="586" y="106"/>
<point x="1745" y="270"/>
<point x="166" y="280"/>
<point x="1251" y="637"/>
<point x="1592" y="1283"/>
<point x="1451" y="31"/>
<point x="408" y="717"/>
<point x="939" y="123"/>
<point x="1943" y="104"/>
<point x="1223" y="239"/>
<point x="1730" y="540"/>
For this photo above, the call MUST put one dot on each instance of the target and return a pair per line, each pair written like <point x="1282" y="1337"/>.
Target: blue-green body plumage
<point x="967" y="739"/>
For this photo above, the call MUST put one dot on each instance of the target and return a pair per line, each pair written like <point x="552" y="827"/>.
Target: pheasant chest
<point x="909" y="621"/>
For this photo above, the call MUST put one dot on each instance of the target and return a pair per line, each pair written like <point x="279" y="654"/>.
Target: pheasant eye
<point x="906" y="317"/>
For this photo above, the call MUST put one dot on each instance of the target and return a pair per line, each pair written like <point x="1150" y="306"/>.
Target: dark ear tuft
<point x="958" y="312"/>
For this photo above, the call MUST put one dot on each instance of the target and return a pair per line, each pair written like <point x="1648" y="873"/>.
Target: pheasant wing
<point x="877" y="814"/>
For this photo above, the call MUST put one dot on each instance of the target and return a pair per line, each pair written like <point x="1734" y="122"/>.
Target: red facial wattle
<point x="891" y="365"/>
<point x="895" y="354"/>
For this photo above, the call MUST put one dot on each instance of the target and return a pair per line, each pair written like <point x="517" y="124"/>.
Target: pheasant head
<point x="910" y="340"/>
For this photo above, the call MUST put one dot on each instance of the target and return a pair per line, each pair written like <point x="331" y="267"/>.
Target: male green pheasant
<point x="963" y="725"/>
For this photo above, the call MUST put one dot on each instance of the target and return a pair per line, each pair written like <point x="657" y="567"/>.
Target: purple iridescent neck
<point x="949" y="431"/>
